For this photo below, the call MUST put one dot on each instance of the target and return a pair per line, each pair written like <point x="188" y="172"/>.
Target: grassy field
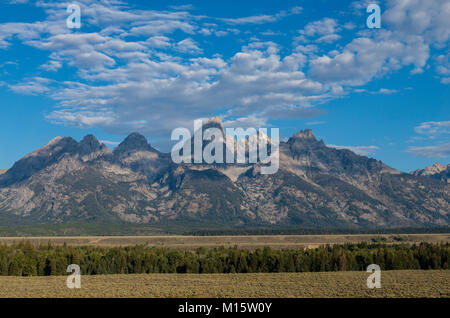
<point x="431" y="283"/>
<point x="246" y="242"/>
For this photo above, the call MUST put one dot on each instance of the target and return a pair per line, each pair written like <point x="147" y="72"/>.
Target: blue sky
<point x="152" y="66"/>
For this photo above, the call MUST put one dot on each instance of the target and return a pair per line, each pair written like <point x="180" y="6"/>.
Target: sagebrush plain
<point x="401" y="283"/>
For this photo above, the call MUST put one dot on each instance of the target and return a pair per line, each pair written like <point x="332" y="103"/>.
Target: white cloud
<point x="18" y="1"/>
<point x="160" y="27"/>
<point x="435" y="151"/>
<point x="158" y="42"/>
<point x="325" y="26"/>
<point x="429" y="19"/>
<point x="130" y="74"/>
<point x="188" y="46"/>
<point x="110" y="143"/>
<point x="156" y="96"/>
<point x="324" y="31"/>
<point x="32" y="86"/>
<point x="443" y="67"/>
<point x="317" y="122"/>
<point x="263" y="18"/>
<point x="51" y="66"/>
<point x="387" y="91"/>
<point x="433" y="128"/>
<point x="329" y="38"/>
<point x="365" y="58"/>
<point x="87" y="118"/>
<point x="411" y="28"/>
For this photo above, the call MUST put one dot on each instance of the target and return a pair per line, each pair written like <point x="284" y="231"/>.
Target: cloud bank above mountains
<point x="154" y="70"/>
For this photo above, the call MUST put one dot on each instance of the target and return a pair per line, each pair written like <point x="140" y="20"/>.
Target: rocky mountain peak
<point x="439" y="166"/>
<point x="302" y="140"/>
<point x="133" y="142"/>
<point x="39" y="159"/>
<point x="305" y="134"/>
<point x="54" y="147"/>
<point x="435" y="169"/>
<point x="89" y="144"/>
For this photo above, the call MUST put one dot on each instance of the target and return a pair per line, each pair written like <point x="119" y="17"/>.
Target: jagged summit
<point x="305" y="134"/>
<point x="436" y="171"/>
<point x="134" y="141"/>
<point x="302" y="140"/>
<point x="430" y="170"/>
<point x="89" y="139"/>
<point x="88" y="145"/>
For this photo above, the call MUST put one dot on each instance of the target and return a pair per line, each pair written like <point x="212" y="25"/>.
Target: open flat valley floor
<point x="402" y="283"/>
<point x="247" y="242"/>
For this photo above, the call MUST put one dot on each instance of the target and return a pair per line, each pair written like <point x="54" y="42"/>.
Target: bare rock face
<point x="316" y="186"/>
<point x="38" y="160"/>
<point x="436" y="171"/>
<point x="306" y="134"/>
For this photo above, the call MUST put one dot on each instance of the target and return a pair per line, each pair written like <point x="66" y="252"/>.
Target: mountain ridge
<point x="316" y="186"/>
<point x="436" y="171"/>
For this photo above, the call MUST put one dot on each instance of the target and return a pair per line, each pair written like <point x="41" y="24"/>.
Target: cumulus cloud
<point x="423" y="18"/>
<point x="321" y="31"/>
<point x="151" y="71"/>
<point x="443" y="67"/>
<point x="157" y="96"/>
<point x="365" y="58"/>
<point x="51" y="66"/>
<point x="188" y="46"/>
<point x="412" y="28"/>
<point x="322" y="27"/>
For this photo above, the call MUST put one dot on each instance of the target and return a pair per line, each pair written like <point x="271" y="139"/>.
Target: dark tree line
<point x="24" y="259"/>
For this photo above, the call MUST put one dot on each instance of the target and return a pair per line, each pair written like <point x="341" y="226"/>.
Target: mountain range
<point x="315" y="186"/>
